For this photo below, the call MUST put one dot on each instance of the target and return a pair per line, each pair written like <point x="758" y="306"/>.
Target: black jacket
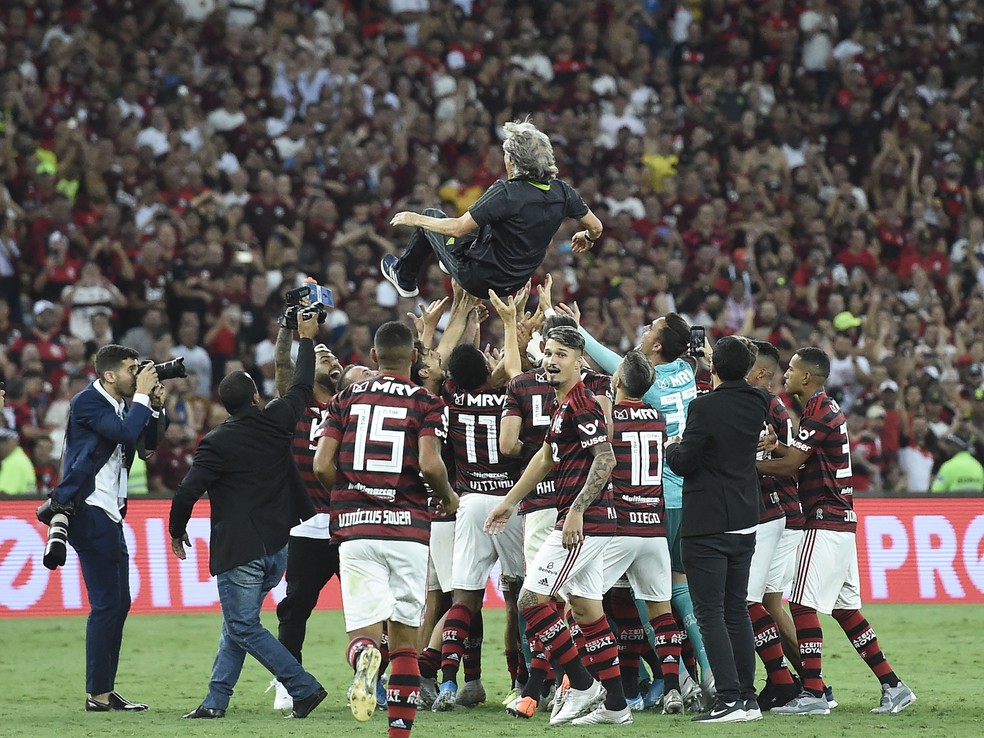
<point x="247" y="467"/>
<point x="716" y="459"/>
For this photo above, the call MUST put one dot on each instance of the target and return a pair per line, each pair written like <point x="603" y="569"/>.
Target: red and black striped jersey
<point x="529" y="396"/>
<point x="779" y="496"/>
<point x="578" y="425"/>
<point x="474" y="420"/>
<point x="826" y="479"/>
<point x="304" y="445"/>
<point x="638" y="439"/>
<point x="378" y="490"/>
<point x="433" y="501"/>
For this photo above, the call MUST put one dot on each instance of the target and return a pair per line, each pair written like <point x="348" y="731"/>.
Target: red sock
<point x="668" y="638"/>
<point x="601" y="650"/>
<point x="543" y="622"/>
<point x="631" y="636"/>
<point x="768" y="644"/>
<point x="402" y="692"/>
<point x="865" y="642"/>
<point x="577" y="635"/>
<point x="357" y="646"/>
<point x="429" y="661"/>
<point x="810" y="638"/>
<point x="453" y="640"/>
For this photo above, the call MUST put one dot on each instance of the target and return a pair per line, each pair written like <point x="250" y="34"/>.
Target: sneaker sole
<point x="587" y="721"/>
<point x="776" y="711"/>
<point x="517" y="714"/>
<point x="674" y="708"/>
<point x="896" y="709"/>
<point x="362" y="700"/>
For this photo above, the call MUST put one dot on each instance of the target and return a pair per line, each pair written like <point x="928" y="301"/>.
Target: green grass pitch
<point x="166" y="659"/>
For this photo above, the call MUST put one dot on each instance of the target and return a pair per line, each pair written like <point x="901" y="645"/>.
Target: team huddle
<point x="447" y="461"/>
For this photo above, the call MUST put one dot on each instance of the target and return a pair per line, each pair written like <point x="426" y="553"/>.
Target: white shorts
<point x="827" y="572"/>
<point x="476" y="551"/>
<point x="382" y="580"/>
<point x="579" y="571"/>
<point x="536" y="527"/>
<point x="441" y="556"/>
<point x="783" y="572"/>
<point x="767" y="537"/>
<point x="645" y="564"/>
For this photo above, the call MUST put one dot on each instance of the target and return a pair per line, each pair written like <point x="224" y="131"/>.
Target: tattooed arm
<point x="598" y="476"/>
<point x="283" y="370"/>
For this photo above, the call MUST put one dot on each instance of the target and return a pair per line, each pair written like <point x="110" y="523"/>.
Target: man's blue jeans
<point x="241" y="593"/>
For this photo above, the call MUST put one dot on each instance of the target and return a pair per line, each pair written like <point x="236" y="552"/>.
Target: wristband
<point x="587" y="235"/>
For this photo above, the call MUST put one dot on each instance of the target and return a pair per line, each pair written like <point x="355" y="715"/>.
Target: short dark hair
<point x="767" y="350"/>
<point x="566" y="336"/>
<point x="468" y="367"/>
<point x="393" y="343"/>
<point x="110" y="356"/>
<point x="731" y="358"/>
<point x="236" y="391"/>
<point x="558" y="320"/>
<point x="674" y="337"/>
<point x="637" y="373"/>
<point x="817" y="358"/>
<point x="346" y="378"/>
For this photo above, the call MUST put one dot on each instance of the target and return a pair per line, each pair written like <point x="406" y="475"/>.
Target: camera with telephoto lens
<point x="173" y="369"/>
<point x="56" y="516"/>
<point x="308" y="299"/>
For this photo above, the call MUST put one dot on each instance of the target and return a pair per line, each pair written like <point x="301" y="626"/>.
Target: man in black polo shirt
<point x="502" y="239"/>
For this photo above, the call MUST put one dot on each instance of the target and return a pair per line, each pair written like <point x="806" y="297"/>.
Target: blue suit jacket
<point x="94" y="431"/>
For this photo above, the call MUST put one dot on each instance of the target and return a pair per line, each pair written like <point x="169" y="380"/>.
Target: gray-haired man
<point x="502" y="239"/>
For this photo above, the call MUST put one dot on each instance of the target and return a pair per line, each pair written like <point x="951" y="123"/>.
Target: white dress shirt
<point x="111" y="480"/>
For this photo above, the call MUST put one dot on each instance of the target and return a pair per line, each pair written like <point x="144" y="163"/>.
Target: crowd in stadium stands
<point x="807" y="172"/>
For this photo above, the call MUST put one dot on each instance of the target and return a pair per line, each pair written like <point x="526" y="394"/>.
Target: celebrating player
<point x="312" y="558"/>
<point x="481" y="480"/>
<point x="665" y="342"/>
<point x="383" y="434"/>
<point x="639" y="555"/>
<point x="775" y="551"/>
<point x="826" y="577"/>
<point x="570" y="562"/>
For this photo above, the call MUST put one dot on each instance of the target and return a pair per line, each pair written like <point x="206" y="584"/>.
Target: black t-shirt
<point x="517" y="218"/>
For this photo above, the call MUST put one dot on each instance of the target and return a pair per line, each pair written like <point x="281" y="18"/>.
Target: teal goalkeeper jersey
<point x="672" y="392"/>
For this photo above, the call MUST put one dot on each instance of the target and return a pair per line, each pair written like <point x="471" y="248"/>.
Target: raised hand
<point x="544" y="291"/>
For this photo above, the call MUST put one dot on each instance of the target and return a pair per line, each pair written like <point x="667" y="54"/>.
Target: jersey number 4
<point x="369" y="430"/>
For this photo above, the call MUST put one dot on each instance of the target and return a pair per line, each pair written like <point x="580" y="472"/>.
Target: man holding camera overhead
<point x="256" y="496"/>
<point x="100" y="442"/>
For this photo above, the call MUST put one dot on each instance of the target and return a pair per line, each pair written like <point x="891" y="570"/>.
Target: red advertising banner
<point x="909" y="550"/>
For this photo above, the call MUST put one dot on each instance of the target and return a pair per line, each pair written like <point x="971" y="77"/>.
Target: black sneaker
<point x="388" y="266"/>
<point x="776" y="696"/>
<point x="303" y="708"/>
<point x="724" y="712"/>
<point x="752" y="711"/>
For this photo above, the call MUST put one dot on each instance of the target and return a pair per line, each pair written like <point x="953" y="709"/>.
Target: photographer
<point x="100" y="443"/>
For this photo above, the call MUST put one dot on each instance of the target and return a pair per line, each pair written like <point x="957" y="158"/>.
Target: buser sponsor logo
<point x="593" y="441"/>
<point x="588" y="429"/>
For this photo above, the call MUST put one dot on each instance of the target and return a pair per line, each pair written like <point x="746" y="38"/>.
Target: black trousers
<point x="717" y="571"/>
<point x="473" y="277"/>
<point x="311" y="562"/>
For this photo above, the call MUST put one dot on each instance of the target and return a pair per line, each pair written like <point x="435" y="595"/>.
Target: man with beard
<point x="312" y="558"/>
